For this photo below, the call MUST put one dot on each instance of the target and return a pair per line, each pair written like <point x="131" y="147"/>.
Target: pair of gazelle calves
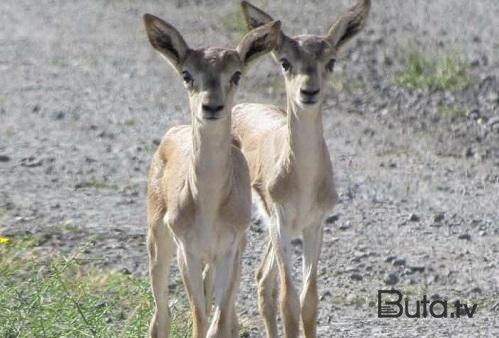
<point x="201" y="176"/>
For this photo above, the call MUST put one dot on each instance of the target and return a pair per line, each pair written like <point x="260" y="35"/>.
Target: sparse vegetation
<point x="234" y="22"/>
<point x="452" y="111"/>
<point x="58" y="297"/>
<point x="96" y="184"/>
<point x="425" y="72"/>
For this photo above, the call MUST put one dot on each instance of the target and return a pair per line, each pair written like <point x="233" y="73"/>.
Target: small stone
<point x="475" y="63"/>
<point x="493" y="124"/>
<point x="466" y="237"/>
<point x="435" y="296"/>
<point x="473" y="114"/>
<point x="356" y="277"/>
<point x="345" y="226"/>
<point x="4" y="158"/>
<point x="413" y="218"/>
<point x="59" y="115"/>
<point x="325" y="295"/>
<point x="125" y="271"/>
<point x="391" y="278"/>
<point x="388" y="61"/>
<point x="439" y="217"/>
<point x="476" y="290"/>
<point x="468" y="152"/>
<point x="390" y="259"/>
<point x="332" y="218"/>
<point x="30" y="162"/>
<point x="420" y="269"/>
<point x="399" y="262"/>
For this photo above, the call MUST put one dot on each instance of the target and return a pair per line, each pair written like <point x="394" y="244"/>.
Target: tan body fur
<point x="290" y="167"/>
<point x="199" y="194"/>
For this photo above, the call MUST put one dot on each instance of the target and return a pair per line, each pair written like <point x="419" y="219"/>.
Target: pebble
<point x="356" y="277"/>
<point x="4" y="158"/>
<point x="413" y="218"/>
<point x="390" y="259"/>
<point x="468" y="152"/>
<point x="391" y="278"/>
<point x="420" y="269"/>
<point x="473" y="114"/>
<point x="476" y="290"/>
<point x="59" y="115"/>
<point x="399" y="262"/>
<point x="332" y="218"/>
<point x="345" y="226"/>
<point x="439" y="217"/>
<point x="325" y="294"/>
<point x="30" y="162"/>
<point x="466" y="237"/>
<point x="494" y="123"/>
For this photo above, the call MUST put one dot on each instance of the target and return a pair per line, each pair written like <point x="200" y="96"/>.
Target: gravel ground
<point x="84" y="101"/>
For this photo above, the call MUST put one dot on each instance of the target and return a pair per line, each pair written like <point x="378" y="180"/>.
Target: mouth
<point x="308" y="101"/>
<point x="211" y="118"/>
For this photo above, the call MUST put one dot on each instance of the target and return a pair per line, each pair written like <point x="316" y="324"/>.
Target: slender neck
<point x="305" y="131"/>
<point x="211" y="166"/>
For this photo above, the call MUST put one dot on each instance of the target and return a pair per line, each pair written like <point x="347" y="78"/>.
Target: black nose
<point x="309" y="93"/>
<point x="212" y="109"/>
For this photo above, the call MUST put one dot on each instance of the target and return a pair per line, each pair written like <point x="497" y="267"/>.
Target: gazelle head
<point x="211" y="75"/>
<point x="308" y="60"/>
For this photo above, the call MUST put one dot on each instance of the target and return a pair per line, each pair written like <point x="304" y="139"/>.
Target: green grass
<point x="452" y="111"/>
<point x="234" y="22"/>
<point x="424" y="72"/>
<point x="96" y="184"/>
<point x="45" y="295"/>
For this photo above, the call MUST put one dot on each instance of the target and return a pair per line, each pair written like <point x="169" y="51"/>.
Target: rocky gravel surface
<point x="84" y="101"/>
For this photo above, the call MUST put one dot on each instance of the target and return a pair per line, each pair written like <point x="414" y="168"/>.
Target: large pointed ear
<point x="254" y="16"/>
<point x="167" y="40"/>
<point x="259" y="41"/>
<point x="349" y="24"/>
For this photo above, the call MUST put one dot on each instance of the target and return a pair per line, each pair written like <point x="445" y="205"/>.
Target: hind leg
<point x="266" y="278"/>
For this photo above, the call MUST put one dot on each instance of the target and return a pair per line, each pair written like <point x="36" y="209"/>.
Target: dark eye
<point x="330" y="65"/>
<point x="236" y="77"/>
<point x="285" y="64"/>
<point x="187" y="77"/>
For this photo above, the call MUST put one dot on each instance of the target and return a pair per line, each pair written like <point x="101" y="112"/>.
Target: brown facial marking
<point x="313" y="45"/>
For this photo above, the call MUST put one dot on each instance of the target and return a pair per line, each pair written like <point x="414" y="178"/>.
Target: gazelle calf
<point x="199" y="194"/>
<point x="290" y="167"/>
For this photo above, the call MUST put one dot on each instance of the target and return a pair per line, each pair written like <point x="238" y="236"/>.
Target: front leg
<point x="227" y="273"/>
<point x="191" y="270"/>
<point x="288" y="297"/>
<point x="161" y="247"/>
<point x="312" y="242"/>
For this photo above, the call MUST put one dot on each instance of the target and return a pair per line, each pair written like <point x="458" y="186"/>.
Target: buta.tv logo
<point x="390" y="305"/>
